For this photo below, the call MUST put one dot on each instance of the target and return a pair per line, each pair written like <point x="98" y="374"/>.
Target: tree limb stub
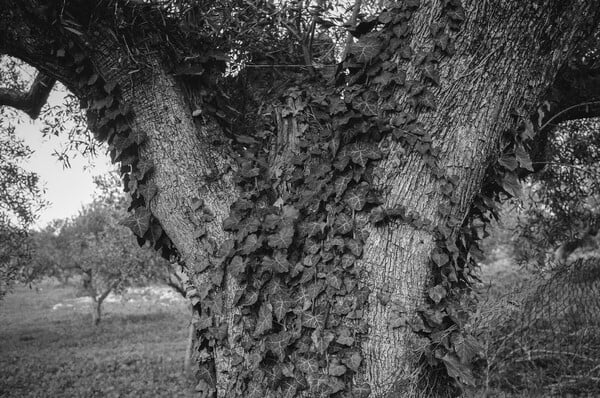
<point x="32" y="101"/>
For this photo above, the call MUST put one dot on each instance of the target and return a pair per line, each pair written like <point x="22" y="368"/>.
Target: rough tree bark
<point x="507" y="58"/>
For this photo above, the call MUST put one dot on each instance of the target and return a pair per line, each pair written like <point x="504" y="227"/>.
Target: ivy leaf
<point x="457" y="14"/>
<point x="279" y="264"/>
<point x="250" y="173"/>
<point x="303" y="298"/>
<point x="237" y="266"/>
<point x="251" y="244"/>
<point x="311" y="260"/>
<point x="343" y="224"/>
<point x="509" y="162"/>
<point x="327" y="256"/>
<point x="312" y="228"/>
<point x="154" y="232"/>
<point x="226" y="248"/>
<point x="148" y="191"/>
<point x="144" y="167"/>
<point x="366" y="48"/>
<point x="248" y="226"/>
<point x="290" y="213"/>
<point x="336" y="241"/>
<point x="255" y="389"/>
<point x="466" y="347"/>
<point x="309" y="366"/>
<point x="282" y="304"/>
<point x="344" y="337"/>
<point x="110" y="86"/>
<point x="336" y="368"/>
<point x="437" y="293"/>
<point x="138" y="136"/>
<point x="342" y="161"/>
<point x="336" y="105"/>
<point x="334" y="281"/>
<point x="121" y="142"/>
<point x="93" y="79"/>
<point x="385" y="17"/>
<point x="348" y="260"/>
<point x="434" y="317"/>
<point x="457" y="370"/>
<point x="277" y="344"/>
<point x="232" y="223"/>
<point x="250" y="297"/>
<point x="341" y="183"/>
<point x="311" y="246"/>
<point x="265" y="319"/>
<point x="440" y="258"/>
<point x="427" y="100"/>
<point x="355" y="247"/>
<point x="362" y="391"/>
<point x="353" y="361"/>
<point x="138" y="222"/>
<point x="364" y="106"/>
<point x="383" y="78"/>
<point x="431" y="73"/>
<point x="398" y="320"/>
<point x="357" y="197"/>
<point x="377" y="215"/>
<point x="360" y="153"/>
<point x="313" y="320"/>
<point x="523" y="158"/>
<point x="271" y="221"/>
<point x="510" y="184"/>
<point x="283" y="238"/>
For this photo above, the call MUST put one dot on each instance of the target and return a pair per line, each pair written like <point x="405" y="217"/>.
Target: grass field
<point x="49" y="347"/>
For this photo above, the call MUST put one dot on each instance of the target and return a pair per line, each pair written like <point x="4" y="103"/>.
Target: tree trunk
<point x="96" y="311"/>
<point x="506" y="57"/>
<point x="191" y="343"/>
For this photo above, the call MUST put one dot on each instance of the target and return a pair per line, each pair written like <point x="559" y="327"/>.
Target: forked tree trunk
<point x="507" y="55"/>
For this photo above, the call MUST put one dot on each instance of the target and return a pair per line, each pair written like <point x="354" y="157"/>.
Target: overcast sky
<point x="66" y="189"/>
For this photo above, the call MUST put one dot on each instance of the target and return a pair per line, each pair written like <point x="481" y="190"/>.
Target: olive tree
<point x="321" y="189"/>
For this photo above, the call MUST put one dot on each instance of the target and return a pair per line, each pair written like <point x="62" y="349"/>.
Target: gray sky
<point x="66" y="189"/>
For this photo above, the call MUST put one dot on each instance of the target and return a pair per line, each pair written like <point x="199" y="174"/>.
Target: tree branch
<point x="107" y="291"/>
<point x="30" y="102"/>
<point x="28" y="31"/>
<point x="574" y="95"/>
<point x="351" y="22"/>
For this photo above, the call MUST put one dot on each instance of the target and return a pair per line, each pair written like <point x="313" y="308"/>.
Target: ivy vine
<point x="297" y="237"/>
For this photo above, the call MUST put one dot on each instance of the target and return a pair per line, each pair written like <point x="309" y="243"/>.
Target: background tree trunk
<point x="96" y="311"/>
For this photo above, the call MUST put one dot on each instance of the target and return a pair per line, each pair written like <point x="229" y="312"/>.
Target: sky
<point x="66" y="190"/>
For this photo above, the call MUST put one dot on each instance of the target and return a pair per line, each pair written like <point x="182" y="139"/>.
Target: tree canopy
<point x="20" y="200"/>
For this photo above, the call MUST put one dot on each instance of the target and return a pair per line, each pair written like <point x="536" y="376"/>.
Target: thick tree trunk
<point x="507" y="55"/>
<point x="482" y="84"/>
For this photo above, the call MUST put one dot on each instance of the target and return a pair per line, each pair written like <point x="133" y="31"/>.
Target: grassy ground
<point x="49" y="348"/>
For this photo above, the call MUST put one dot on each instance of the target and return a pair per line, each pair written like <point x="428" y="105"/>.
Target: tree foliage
<point x="563" y="201"/>
<point x="95" y="247"/>
<point x="20" y="201"/>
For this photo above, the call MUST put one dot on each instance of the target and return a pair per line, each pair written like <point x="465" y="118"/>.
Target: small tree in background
<point x="19" y="203"/>
<point x="96" y="247"/>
